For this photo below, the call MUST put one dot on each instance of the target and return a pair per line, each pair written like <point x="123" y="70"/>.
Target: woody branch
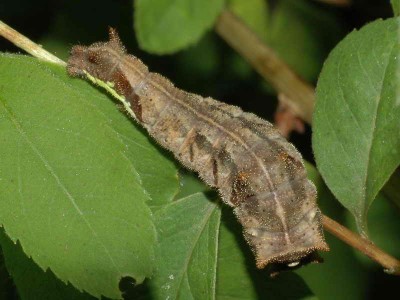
<point x="300" y="95"/>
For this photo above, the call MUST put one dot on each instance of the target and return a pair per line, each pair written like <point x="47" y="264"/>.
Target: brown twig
<point x="391" y="264"/>
<point x="26" y="44"/>
<point x="300" y="98"/>
<point x="300" y="95"/>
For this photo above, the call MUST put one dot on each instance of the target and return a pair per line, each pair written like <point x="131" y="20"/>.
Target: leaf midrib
<point x="373" y="136"/>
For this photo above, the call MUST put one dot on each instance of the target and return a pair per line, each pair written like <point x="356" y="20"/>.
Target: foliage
<point x="87" y="198"/>
<point x="185" y="21"/>
<point x="356" y="121"/>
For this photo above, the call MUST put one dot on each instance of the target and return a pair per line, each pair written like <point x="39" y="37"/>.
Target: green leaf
<point x="187" y="253"/>
<point x="165" y="26"/>
<point x="395" y="7"/>
<point x="31" y="281"/>
<point x="75" y="178"/>
<point x="190" y="184"/>
<point x="356" y="131"/>
<point x="204" y="256"/>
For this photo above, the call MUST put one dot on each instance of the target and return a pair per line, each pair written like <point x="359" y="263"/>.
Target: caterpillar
<point x="255" y="170"/>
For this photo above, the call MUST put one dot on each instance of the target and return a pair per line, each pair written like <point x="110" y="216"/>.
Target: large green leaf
<point x="75" y="177"/>
<point x="356" y="132"/>
<point x="165" y="26"/>
<point x="31" y="281"/>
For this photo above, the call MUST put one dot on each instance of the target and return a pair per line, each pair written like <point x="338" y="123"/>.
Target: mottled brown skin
<point x="254" y="168"/>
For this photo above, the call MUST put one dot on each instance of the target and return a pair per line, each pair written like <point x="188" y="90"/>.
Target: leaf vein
<point x="190" y="254"/>
<point x="57" y="179"/>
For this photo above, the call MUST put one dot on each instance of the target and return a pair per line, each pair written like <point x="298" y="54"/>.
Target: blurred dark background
<point x="209" y="68"/>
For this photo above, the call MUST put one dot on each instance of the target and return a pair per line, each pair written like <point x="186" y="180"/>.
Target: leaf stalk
<point x="391" y="264"/>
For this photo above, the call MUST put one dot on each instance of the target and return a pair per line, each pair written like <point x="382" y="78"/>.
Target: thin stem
<point x="391" y="264"/>
<point x="300" y="94"/>
<point x="26" y="44"/>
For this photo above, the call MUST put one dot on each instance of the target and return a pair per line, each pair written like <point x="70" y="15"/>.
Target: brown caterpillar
<point x="254" y="168"/>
